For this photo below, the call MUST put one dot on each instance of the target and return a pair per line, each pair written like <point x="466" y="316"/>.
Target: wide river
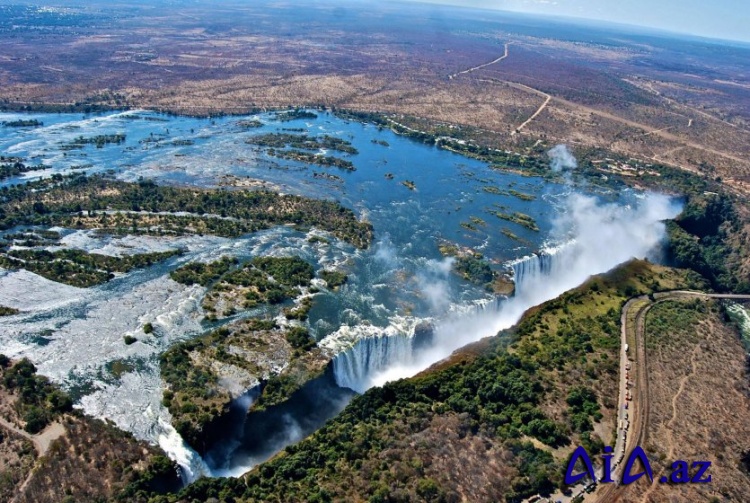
<point x="75" y="335"/>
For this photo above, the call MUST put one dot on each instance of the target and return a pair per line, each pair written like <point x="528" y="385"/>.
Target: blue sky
<point x="726" y="19"/>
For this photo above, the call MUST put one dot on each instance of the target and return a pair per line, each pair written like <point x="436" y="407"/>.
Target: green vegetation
<point x="192" y="394"/>
<point x="334" y="279"/>
<point x="79" y="201"/>
<point x="99" y="140"/>
<point x="250" y="347"/>
<point x="302" y="142"/>
<point x="509" y="234"/>
<point x="517" y="218"/>
<point x="491" y="189"/>
<point x="289" y="271"/>
<point x="703" y="238"/>
<point x="77" y="267"/>
<point x="198" y="273"/>
<point x="582" y="405"/>
<point x="409" y="184"/>
<point x="522" y="196"/>
<point x="8" y="311"/>
<point x="474" y="268"/>
<point x="249" y="124"/>
<point x="23" y="123"/>
<point x="30" y="239"/>
<point x="317" y="239"/>
<point x="11" y="169"/>
<point x="295" y="114"/>
<point x="39" y="401"/>
<point x="300" y="312"/>
<point x="327" y="176"/>
<point x="129" y="339"/>
<point x="263" y="280"/>
<point x="382" y="143"/>
<point x="325" y="161"/>
<point x="563" y="351"/>
<point x="97" y="460"/>
<point x="673" y="321"/>
<point x="299" y="338"/>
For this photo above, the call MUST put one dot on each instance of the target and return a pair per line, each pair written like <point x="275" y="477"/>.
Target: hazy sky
<point x="727" y="19"/>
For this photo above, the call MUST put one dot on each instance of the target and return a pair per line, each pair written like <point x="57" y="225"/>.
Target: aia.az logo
<point x="681" y="470"/>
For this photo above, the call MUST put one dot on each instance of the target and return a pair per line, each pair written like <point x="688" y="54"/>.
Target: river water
<point x="75" y="335"/>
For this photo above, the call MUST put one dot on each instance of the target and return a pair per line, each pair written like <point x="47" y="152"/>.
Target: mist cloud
<point x="596" y="237"/>
<point x="561" y="158"/>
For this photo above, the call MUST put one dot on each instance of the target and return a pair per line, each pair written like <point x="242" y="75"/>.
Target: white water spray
<point x="597" y="237"/>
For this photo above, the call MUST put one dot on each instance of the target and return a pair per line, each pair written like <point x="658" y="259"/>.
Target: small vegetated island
<point x="100" y="141"/>
<point x="516" y="217"/>
<point x="246" y="352"/>
<point x="13" y="166"/>
<point x="23" y="123"/>
<point x="306" y="149"/>
<point x="296" y="114"/>
<point x="474" y="267"/>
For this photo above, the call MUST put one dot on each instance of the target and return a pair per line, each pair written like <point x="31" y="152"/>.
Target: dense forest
<point x="77" y="267"/>
<point x="384" y="445"/>
<point x="704" y="238"/>
<point x="79" y="201"/>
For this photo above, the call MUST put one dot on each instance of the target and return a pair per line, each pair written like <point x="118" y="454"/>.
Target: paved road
<point x="634" y="317"/>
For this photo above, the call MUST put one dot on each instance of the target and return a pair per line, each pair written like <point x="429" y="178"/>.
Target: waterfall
<point x="371" y="355"/>
<point x="547" y="264"/>
<point x="192" y="466"/>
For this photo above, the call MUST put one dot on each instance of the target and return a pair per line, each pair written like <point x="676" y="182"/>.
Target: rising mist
<point x="595" y="237"/>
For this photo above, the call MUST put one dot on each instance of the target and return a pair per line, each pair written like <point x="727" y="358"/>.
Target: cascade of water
<point x="371" y="355"/>
<point x="192" y="466"/>
<point x="529" y="271"/>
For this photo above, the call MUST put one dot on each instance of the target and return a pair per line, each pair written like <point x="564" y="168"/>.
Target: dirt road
<point x="453" y="76"/>
<point x="41" y="440"/>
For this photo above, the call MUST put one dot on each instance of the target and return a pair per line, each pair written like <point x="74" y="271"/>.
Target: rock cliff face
<point x="205" y="376"/>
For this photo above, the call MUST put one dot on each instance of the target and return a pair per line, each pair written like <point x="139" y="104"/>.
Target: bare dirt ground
<point x="675" y="102"/>
<point x="680" y="422"/>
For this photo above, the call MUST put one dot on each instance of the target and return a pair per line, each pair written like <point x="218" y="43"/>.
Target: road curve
<point x="454" y="75"/>
<point x="637" y="433"/>
<point x="41" y="440"/>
